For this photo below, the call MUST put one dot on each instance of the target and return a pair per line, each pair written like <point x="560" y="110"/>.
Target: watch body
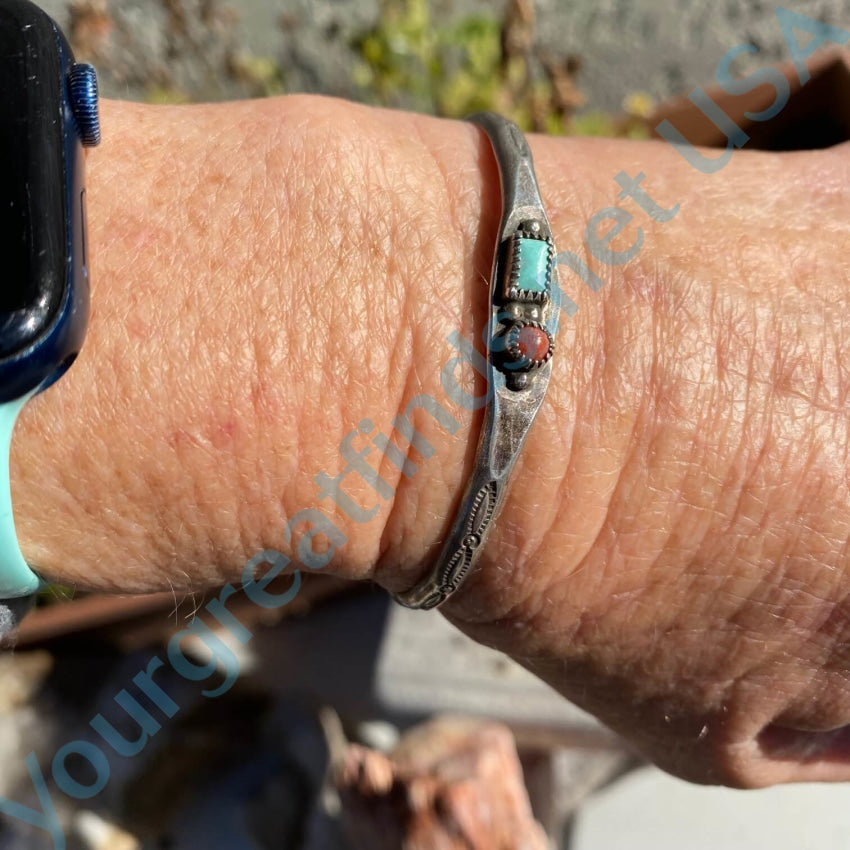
<point x="44" y="293"/>
<point x="48" y="115"/>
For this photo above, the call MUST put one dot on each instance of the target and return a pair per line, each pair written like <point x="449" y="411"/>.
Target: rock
<point x="452" y="784"/>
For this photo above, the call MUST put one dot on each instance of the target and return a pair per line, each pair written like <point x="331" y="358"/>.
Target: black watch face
<point x="33" y="234"/>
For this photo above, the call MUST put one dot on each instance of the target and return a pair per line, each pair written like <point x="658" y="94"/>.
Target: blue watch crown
<point x="82" y="84"/>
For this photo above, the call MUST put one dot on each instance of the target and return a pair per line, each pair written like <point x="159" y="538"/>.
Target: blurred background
<point x="354" y="723"/>
<point x="578" y="66"/>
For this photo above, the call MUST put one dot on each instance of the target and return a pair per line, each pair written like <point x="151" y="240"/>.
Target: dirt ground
<point x="662" y="47"/>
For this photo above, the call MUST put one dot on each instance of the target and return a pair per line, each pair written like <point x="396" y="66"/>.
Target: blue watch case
<point x="48" y="114"/>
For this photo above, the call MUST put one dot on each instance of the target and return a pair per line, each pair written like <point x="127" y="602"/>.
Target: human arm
<point x="268" y="275"/>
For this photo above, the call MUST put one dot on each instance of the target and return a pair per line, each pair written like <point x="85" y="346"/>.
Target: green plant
<point x="480" y="62"/>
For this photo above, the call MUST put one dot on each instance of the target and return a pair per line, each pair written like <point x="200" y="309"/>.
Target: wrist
<point x="233" y="297"/>
<point x="241" y="329"/>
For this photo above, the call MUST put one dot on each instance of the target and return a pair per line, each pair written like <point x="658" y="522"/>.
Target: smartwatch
<point x="48" y="115"/>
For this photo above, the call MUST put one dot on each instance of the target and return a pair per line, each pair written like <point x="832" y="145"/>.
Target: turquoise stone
<point x="533" y="265"/>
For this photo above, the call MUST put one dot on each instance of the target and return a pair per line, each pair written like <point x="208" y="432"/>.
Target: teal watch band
<point x="16" y="578"/>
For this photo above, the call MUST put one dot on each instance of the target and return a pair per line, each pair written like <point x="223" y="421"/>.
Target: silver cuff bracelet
<point x="519" y="358"/>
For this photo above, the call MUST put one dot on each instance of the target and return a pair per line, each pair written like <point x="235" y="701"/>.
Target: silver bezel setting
<point x="522" y="361"/>
<point x="512" y="291"/>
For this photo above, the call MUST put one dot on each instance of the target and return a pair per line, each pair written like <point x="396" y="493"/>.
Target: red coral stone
<point x="532" y="342"/>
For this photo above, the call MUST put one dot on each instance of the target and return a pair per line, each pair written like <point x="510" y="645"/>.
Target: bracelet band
<point x="519" y="352"/>
<point x="16" y="577"/>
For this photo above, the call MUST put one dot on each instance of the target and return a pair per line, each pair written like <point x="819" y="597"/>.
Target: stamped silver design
<point x="481" y="515"/>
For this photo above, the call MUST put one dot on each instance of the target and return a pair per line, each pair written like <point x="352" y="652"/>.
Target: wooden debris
<point x="563" y="73"/>
<point x="518" y="30"/>
<point x="98" y="834"/>
<point x="90" y="28"/>
<point x="452" y="784"/>
<point x="21" y="677"/>
<point x="134" y="622"/>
